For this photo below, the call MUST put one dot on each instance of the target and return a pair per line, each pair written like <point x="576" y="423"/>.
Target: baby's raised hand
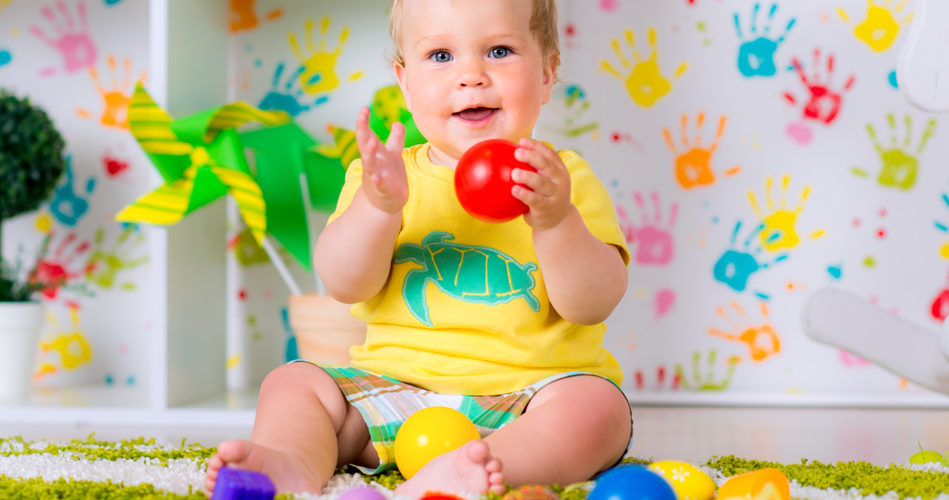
<point x="383" y="172"/>
<point x="549" y="202"/>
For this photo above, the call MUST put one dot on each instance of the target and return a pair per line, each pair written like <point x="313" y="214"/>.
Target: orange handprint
<point x="243" y="17"/>
<point x="762" y="340"/>
<point x="645" y="83"/>
<point x="693" y="167"/>
<point x="880" y="28"/>
<point x="778" y="230"/>
<point x="319" y="65"/>
<point x="117" y="97"/>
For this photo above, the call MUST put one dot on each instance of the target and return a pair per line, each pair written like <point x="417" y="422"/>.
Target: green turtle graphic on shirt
<point x="471" y="273"/>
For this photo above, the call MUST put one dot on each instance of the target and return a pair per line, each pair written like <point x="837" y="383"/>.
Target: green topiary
<point x="31" y="156"/>
<point x="31" y="163"/>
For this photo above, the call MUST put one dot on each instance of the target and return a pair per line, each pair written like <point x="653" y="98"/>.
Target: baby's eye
<point x="499" y="52"/>
<point x="440" y="56"/>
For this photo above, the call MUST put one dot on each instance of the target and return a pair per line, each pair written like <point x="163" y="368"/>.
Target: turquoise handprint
<point x="756" y="56"/>
<point x="734" y="267"/>
<point x="67" y="206"/>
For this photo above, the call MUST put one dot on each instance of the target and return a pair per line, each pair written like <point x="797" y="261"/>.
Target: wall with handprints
<point x="756" y="151"/>
<point x="79" y="60"/>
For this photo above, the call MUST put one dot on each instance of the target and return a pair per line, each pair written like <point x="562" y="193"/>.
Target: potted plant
<point x="31" y="163"/>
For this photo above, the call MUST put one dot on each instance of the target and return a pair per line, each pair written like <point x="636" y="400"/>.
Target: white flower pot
<point x="20" y="324"/>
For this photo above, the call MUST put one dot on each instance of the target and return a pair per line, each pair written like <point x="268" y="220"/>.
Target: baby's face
<point x="472" y="72"/>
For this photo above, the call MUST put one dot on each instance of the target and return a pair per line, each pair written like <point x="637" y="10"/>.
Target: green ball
<point x="924" y="457"/>
<point x="31" y="156"/>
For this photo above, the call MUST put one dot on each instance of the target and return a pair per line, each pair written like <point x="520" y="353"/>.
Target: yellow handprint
<point x="644" y="82"/>
<point x="880" y="28"/>
<point x="779" y="231"/>
<point x="319" y="65"/>
<point x="72" y="347"/>
<point x="4" y="3"/>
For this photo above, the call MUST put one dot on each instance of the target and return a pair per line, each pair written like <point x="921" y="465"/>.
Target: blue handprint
<point x="66" y="206"/>
<point x="735" y="267"/>
<point x="289" y="99"/>
<point x="756" y="56"/>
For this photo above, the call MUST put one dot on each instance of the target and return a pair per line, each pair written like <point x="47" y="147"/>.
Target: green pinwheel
<point x="200" y="158"/>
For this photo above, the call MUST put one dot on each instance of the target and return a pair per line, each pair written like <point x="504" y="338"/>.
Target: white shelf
<point x="124" y="406"/>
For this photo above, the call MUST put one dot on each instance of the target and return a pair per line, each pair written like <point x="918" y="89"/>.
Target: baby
<point x="502" y="322"/>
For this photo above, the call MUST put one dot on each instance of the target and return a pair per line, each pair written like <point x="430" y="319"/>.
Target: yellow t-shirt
<point x="465" y="309"/>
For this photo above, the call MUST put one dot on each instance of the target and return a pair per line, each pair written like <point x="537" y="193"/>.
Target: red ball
<point x="483" y="181"/>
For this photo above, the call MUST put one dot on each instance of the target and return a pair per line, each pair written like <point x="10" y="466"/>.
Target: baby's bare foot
<point x="469" y="469"/>
<point x="288" y="473"/>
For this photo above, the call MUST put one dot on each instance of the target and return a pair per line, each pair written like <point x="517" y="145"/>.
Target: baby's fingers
<point x="366" y="140"/>
<point x="396" y="141"/>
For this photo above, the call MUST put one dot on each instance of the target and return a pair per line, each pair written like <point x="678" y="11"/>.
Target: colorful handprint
<point x="72" y="40"/>
<point x="778" y="231"/>
<point x="290" y="97"/>
<point x="63" y="349"/>
<point x="574" y="104"/>
<point x="693" y="166"/>
<point x="756" y="54"/>
<point x="900" y="162"/>
<point x="247" y="250"/>
<point x="734" y="267"/>
<point x="708" y="382"/>
<point x="762" y="340"/>
<point x="57" y="270"/>
<point x="117" y="96"/>
<point x="103" y="265"/>
<point x="823" y="103"/>
<point x="242" y="15"/>
<point x="319" y="64"/>
<point x="67" y="206"/>
<point x="644" y="82"/>
<point x="880" y="28"/>
<point x="654" y="242"/>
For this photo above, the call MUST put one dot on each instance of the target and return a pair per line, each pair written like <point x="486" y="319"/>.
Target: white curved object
<point x="846" y="321"/>
<point x="922" y="72"/>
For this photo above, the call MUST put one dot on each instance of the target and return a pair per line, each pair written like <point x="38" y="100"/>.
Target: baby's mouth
<point x="476" y="115"/>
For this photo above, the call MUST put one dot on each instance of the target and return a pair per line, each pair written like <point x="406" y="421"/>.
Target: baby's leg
<point x="303" y="431"/>
<point x="572" y="429"/>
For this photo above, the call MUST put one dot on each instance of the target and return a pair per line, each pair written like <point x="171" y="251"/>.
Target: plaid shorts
<point x="386" y="403"/>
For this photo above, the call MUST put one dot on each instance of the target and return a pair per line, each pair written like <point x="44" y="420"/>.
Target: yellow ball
<point x="689" y="482"/>
<point x="427" y="434"/>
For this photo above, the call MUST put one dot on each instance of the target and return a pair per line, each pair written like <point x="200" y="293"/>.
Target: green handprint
<point x="900" y="165"/>
<point x="103" y="265"/>
<point x="645" y="83"/>
<point x="708" y="383"/>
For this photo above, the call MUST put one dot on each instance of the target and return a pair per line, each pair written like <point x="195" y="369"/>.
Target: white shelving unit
<point x="188" y="44"/>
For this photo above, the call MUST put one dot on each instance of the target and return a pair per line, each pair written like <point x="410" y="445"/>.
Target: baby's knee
<point x="302" y="380"/>
<point x="607" y="406"/>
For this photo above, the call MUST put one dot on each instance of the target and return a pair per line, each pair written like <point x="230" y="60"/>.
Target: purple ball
<point x="362" y="494"/>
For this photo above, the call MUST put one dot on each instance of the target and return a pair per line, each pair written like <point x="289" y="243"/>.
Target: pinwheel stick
<point x="281" y="267"/>
<point x="310" y="230"/>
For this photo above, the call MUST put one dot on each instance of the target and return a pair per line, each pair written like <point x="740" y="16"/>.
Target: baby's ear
<point x="550" y="75"/>
<point x="400" y="76"/>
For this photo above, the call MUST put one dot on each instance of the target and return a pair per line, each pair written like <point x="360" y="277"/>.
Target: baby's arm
<point x="354" y="252"/>
<point x="585" y="278"/>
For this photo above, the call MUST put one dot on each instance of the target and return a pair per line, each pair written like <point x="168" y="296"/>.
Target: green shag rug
<point x="139" y="468"/>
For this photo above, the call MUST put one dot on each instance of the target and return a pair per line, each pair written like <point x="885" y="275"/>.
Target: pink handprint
<point x="655" y="244"/>
<point x="73" y="41"/>
<point x="823" y="104"/>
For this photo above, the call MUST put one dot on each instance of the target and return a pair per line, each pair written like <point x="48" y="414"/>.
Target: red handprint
<point x="823" y="103"/>
<point x="53" y="271"/>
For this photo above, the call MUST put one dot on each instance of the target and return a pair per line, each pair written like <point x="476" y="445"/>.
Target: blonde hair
<point x="543" y="28"/>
